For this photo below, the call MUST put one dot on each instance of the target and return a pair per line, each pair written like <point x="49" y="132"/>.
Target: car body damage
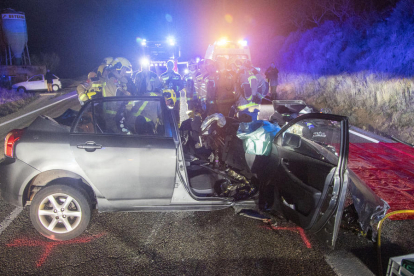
<point x="128" y="154"/>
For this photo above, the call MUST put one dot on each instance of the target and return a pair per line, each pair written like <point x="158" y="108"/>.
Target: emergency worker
<point x="101" y="70"/>
<point x="147" y="81"/>
<point x="247" y="99"/>
<point x="121" y="70"/>
<point x="172" y="80"/>
<point x="262" y="86"/>
<point x="90" y="89"/>
<point x="211" y="79"/>
<point x="189" y="86"/>
<point x="225" y="86"/>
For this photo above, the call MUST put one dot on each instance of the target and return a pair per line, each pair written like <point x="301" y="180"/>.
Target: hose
<point x="379" y="234"/>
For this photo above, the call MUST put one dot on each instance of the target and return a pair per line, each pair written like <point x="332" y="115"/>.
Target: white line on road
<point x="34" y="111"/>
<point x="6" y="222"/>
<point x="364" y="136"/>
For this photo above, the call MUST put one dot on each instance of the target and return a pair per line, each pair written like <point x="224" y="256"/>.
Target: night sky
<point x="82" y="33"/>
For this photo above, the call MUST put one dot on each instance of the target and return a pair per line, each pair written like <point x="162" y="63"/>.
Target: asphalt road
<point x="180" y="243"/>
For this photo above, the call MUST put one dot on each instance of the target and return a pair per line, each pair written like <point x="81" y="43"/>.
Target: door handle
<point x="90" y="145"/>
<point x="285" y="162"/>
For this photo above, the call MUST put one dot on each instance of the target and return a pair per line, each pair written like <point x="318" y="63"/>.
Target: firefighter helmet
<point x="101" y="69"/>
<point x="91" y="75"/>
<point x="107" y="60"/>
<point x="170" y="97"/>
<point x="119" y="63"/>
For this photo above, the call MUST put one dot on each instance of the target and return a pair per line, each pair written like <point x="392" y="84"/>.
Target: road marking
<point x="364" y="136"/>
<point x="49" y="245"/>
<point x="34" y="111"/>
<point x="344" y="263"/>
<point x="6" y="222"/>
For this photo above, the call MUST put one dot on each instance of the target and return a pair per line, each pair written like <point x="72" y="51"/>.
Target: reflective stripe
<point x="144" y="104"/>
<point x="110" y="112"/>
<point x="103" y="89"/>
<point x="90" y="94"/>
<point x="83" y="97"/>
<point x="224" y="101"/>
<point x="250" y="79"/>
<point x="141" y="109"/>
<point x="242" y="107"/>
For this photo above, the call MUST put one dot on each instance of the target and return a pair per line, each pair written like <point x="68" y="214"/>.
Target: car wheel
<point x="55" y="87"/>
<point x="60" y="212"/>
<point x="21" y="89"/>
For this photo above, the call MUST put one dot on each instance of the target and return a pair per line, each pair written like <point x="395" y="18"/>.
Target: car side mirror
<point x="291" y="140"/>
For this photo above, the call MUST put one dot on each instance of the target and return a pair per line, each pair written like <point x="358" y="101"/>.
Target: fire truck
<point x="157" y="53"/>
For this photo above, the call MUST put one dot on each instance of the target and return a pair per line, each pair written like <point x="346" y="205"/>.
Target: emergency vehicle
<point x="229" y="49"/>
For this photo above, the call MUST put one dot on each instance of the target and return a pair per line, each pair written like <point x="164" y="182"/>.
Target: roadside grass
<point x="11" y="101"/>
<point x="374" y="102"/>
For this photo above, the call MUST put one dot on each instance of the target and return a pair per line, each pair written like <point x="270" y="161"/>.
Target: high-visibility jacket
<point x="247" y="89"/>
<point x="89" y="90"/>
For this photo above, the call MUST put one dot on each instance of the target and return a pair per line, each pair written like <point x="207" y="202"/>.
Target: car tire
<point x="21" y="89"/>
<point x="55" y="87"/>
<point x="56" y="220"/>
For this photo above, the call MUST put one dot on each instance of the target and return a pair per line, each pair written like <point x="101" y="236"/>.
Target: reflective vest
<point x="95" y="90"/>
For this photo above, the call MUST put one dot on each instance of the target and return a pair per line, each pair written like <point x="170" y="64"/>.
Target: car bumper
<point x="14" y="175"/>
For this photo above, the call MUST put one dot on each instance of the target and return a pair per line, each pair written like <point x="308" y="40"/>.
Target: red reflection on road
<point x="293" y="229"/>
<point x="49" y="245"/>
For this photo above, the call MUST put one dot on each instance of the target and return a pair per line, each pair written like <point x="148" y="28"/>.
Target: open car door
<point x="310" y="177"/>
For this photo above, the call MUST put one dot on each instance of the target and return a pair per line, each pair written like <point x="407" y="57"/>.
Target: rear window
<point x="135" y="117"/>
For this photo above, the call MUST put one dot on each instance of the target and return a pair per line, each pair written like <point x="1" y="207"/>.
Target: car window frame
<point x="168" y="130"/>
<point x="42" y="78"/>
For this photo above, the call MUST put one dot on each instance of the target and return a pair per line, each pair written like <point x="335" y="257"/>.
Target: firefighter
<point x="225" y="96"/>
<point x="172" y="81"/>
<point x="101" y="69"/>
<point x="121" y="70"/>
<point x="262" y="85"/>
<point x="90" y="89"/>
<point x="247" y="100"/>
<point x="190" y="91"/>
<point x="147" y="81"/>
<point x="210" y="80"/>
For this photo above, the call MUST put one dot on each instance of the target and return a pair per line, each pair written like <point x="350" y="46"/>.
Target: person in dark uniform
<point x="49" y="80"/>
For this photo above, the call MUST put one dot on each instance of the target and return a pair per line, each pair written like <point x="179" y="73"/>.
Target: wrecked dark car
<point x="128" y="154"/>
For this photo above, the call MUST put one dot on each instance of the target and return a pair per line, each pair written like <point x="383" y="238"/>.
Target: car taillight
<point x="11" y="138"/>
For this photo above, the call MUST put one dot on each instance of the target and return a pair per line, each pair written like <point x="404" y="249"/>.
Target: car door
<point x="309" y="158"/>
<point x="124" y="148"/>
<point x="36" y="82"/>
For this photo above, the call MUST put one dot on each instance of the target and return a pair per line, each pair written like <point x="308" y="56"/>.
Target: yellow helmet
<point x="91" y="75"/>
<point x="101" y="68"/>
<point x="120" y="63"/>
<point x="170" y="97"/>
<point x="107" y="60"/>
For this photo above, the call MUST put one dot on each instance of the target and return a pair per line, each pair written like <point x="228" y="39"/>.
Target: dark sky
<point x="82" y="33"/>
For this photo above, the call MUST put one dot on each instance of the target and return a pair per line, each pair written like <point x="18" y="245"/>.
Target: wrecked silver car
<point x="127" y="154"/>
